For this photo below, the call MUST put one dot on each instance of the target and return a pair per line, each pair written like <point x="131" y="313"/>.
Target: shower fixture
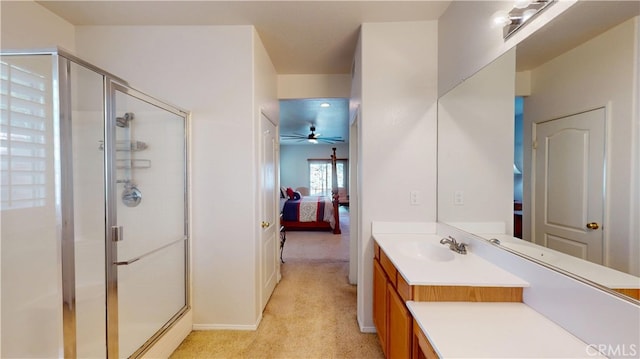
<point x="124" y="120"/>
<point x="131" y="195"/>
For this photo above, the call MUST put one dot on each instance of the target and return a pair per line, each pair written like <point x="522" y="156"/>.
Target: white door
<point x="569" y="184"/>
<point x="269" y="222"/>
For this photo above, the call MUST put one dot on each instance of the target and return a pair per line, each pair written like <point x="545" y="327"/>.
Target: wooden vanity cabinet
<point x="399" y="326"/>
<point x="391" y="317"/>
<point x="380" y="304"/>
<point x="421" y="347"/>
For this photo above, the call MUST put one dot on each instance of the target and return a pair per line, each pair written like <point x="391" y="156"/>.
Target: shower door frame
<point x="63" y="171"/>
<point x="111" y="85"/>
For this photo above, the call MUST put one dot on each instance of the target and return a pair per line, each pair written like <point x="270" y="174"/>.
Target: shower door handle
<point x="132" y="260"/>
<point x="116" y="233"/>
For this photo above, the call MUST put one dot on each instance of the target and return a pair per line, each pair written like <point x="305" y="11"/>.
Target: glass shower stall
<point x="94" y="211"/>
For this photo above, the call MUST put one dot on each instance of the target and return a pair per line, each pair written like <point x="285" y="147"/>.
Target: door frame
<point x="261" y="205"/>
<point x="112" y="233"/>
<point x="354" y="197"/>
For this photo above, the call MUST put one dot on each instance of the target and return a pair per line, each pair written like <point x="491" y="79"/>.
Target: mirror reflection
<point x="564" y="189"/>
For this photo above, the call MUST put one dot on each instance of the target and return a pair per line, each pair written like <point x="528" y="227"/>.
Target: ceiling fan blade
<point x="294" y="136"/>
<point x="329" y="140"/>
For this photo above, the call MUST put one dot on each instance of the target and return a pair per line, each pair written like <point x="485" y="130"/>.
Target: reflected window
<point x="23" y="137"/>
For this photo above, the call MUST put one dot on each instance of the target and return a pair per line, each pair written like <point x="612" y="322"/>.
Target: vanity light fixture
<point x="325" y="104"/>
<point x="523" y="11"/>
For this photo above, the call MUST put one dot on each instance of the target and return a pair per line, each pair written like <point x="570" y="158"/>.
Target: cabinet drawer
<point x="439" y="293"/>
<point x="403" y="288"/>
<point x="388" y="267"/>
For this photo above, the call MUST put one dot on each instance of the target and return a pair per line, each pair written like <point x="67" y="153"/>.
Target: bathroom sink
<point x="427" y="251"/>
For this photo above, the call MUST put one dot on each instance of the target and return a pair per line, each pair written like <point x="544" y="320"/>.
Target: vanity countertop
<point x="495" y="330"/>
<point x="594" y="272"/>
<point x="422" y="260"/>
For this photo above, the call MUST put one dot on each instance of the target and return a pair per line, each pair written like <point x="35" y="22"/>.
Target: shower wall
<point x="152" y="276"/>
<point x="30" y="248"/>
<point x="87" y="123"/>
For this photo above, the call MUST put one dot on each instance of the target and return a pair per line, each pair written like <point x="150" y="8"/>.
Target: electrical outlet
<point x="458" y="198"/>
<point x="414" y="198"/>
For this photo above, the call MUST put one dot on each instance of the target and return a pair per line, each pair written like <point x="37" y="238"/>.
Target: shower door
<point x="146" y="220"/>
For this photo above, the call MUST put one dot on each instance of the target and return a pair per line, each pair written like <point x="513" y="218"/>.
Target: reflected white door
<point x="569" y="184"/>
<point x="269" y="223"/>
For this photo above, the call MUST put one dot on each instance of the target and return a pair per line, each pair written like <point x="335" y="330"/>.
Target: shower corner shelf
<point x="130" y="146"/>
<point x="135" y="163"/>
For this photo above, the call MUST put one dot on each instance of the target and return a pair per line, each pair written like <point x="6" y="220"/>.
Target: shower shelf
<point x="134" y="163"/>
<point x="126" y="145"/>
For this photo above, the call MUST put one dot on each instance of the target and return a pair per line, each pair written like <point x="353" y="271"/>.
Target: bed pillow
<point x="290" y="193"/>
<point x="297" y="195"/>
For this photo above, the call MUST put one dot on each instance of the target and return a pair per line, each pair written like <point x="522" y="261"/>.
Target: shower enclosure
<point x="93" y="211"/>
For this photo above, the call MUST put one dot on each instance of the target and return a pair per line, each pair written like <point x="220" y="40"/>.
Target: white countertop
<point x="422" y="260"/>
<point x="594" y="272"/>
<point x="495" y="330"/>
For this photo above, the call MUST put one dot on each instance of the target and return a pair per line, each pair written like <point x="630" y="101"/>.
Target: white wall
<point x="397" y="136"/>
<point x="294" y="167"/>
<point x="27" y="25"/>
<point x="601" y="65"/>
<point x="635" y="152"/>
<point x="467" y="41"/>
<point x="313" y="86"/>
<point x="265" y="101"/>
<point x="208" y="70"/>
<point x="475" y="147"/>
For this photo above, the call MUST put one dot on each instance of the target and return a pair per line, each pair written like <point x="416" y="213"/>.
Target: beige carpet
<point x="311" y="314"/>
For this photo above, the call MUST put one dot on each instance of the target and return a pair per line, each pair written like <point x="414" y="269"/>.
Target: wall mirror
<point x="539" y="148"/>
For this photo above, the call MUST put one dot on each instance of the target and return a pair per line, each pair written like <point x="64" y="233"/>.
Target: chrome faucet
<point x="454" y="245"/>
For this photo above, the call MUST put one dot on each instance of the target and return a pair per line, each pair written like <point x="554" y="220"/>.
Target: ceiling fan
<point x="312" y="137"/>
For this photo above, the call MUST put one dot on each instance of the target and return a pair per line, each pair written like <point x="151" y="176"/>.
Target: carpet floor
<point x="311" y="313"/>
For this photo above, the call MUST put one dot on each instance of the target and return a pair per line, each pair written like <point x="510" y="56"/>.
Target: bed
<point x="299" y="212"/>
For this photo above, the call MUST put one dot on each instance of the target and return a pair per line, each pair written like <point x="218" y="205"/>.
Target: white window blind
<point x="23" y="137"/>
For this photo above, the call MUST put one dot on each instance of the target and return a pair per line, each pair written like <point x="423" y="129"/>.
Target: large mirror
<point x="540" y="149"/>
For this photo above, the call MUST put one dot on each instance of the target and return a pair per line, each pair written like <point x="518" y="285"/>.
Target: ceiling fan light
<point x="313" y="140"/>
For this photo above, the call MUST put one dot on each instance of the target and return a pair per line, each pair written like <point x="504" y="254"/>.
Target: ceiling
<point x="301" y="37"/>
<point x="580" y="23"/>
<point x="297" y="116"/>
<point x="319" y="37"/>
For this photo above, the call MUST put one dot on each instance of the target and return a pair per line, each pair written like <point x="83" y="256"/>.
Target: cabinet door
<point x="380" y="304"/>
<point x="399" y="327"/>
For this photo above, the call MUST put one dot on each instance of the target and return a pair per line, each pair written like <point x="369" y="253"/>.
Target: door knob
<point x="593" y="225"/>
<point x="265" y="224"/>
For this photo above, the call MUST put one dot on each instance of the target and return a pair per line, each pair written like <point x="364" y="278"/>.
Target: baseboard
<point x="166" y="345"/>
<point x="227" y="326"/>
<point x="366" y="329"/>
